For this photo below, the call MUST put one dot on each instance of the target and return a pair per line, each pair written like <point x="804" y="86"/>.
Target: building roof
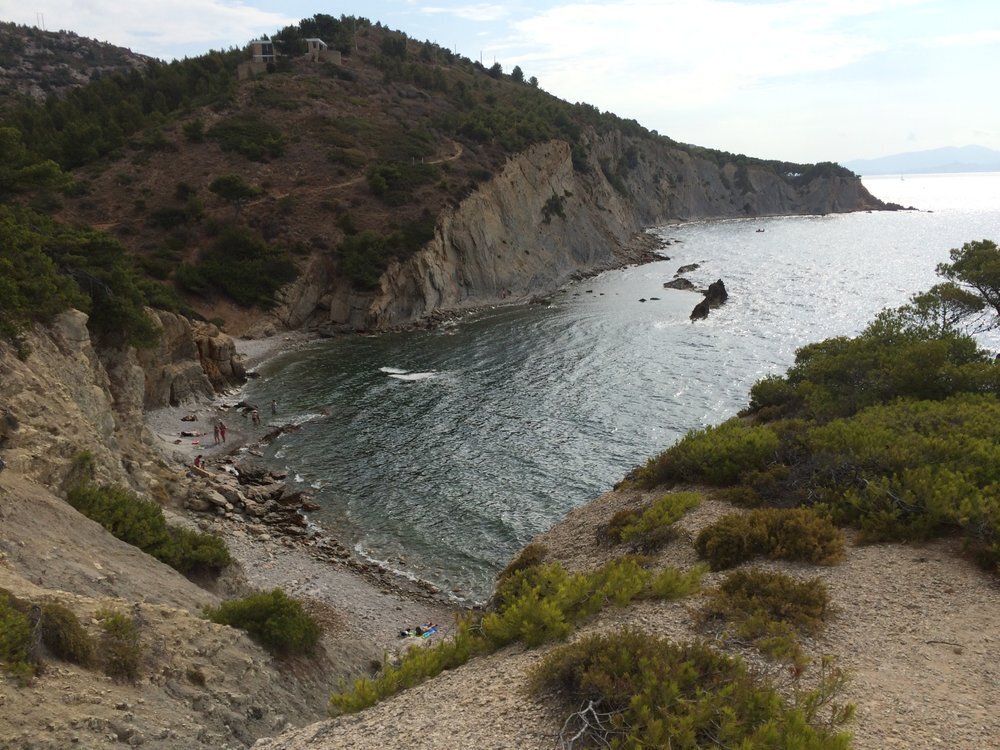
<point x="317" y="40"/>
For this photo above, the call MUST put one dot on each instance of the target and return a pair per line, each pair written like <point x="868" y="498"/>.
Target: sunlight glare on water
<point x="441" y="453"/>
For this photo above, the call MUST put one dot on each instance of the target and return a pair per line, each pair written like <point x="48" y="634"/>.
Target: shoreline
<point x="368" y="605"/>
<point x="302" y="557"/>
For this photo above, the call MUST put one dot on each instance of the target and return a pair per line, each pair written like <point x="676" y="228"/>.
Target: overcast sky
<point x="798" y="80"/>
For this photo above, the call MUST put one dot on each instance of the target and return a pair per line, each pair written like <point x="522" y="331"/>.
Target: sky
<point x="796" y="80"/>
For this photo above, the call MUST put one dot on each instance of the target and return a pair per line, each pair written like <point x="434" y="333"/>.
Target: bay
<point x="441" y="453"/>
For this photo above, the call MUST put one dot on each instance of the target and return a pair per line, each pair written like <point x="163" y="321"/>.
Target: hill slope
<point x="335" y="171"/>
<point x="934" y="161"/>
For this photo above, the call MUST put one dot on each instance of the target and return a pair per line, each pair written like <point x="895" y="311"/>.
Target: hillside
<point x="147" y="210"/>
<point x="933" y="161"/>
<point x="37" y="63"/>
<point x="333" y="172"/>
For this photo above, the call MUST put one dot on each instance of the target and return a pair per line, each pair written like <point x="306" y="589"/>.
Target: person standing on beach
<point x="274" y="406"/>
<point x="215" y="432"/>
<point x="222" y="431"/>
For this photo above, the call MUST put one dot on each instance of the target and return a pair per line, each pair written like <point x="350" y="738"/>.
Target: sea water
<point x="441" y="453"/>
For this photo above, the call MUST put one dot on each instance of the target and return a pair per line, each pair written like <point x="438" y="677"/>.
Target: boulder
<point x="715" y="295"/>
<point x="689" y="267"/>
<point x="679" y="283"/>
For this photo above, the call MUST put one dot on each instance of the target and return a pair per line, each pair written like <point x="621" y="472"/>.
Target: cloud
<point x="692" y="52"/>
<point x="482" y="12"/>
<point x="982" y="37"/>
<point x="155" y="27"/>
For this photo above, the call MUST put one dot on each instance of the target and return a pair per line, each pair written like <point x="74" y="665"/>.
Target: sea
<point x="439" y="454"/>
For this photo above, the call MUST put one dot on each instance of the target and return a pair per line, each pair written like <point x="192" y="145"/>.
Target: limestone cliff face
<point x="541" y="220"/>
<point x="63" y="399"/>
<point x="191" y="360"/>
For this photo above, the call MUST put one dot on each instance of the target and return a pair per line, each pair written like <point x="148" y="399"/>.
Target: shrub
<point x="273" y="619"/>
<point x="248" y="134"/>
<point x="16" y="641"/>
<point x="64" y="636"/>
<point x="770" y="610"/>
<point x="778" y="533"/>
<point x="535" y="604"/>
<point x="716" y="456"/>
<point x="529" y="557"/>
<point x="649" y="528"/>
<point x="246" y="268"/>
<point x="121" y="645"/>
<point x="651" y="692"/>
<point x="141" y="524"/>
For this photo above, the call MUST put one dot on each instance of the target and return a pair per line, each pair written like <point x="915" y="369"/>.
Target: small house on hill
<point x="262" y="50"/>
<point x="318" y="51"/>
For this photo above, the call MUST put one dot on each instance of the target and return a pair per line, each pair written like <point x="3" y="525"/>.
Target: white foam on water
<point x="414" y="376"/>
<point x="393" y="370"/>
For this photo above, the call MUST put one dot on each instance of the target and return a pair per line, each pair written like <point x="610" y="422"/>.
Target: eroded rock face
<point x="192" y="360"/>
<point x="64" y="401"/>
<point x="540" y="221"/>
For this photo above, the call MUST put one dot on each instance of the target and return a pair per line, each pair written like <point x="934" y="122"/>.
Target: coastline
<point x="312" y="563"/>
<point x="364" y="605"/>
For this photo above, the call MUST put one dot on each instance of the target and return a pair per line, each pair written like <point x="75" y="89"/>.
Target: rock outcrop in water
<point x="715" y="296"/>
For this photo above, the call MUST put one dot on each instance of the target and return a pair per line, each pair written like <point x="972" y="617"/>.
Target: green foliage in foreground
<point x="121" y="645"/>
<point x="25" y="626"/>
<point x="141" y="523"/>
<point x="16" y="641"/>
<point x="634" y="690"/>
<point x="777" y="533"/>
<point x="533" y="605"/>
<point x="896" y="431"/>
<point x="715" y="456"/>
<point x="768" y="610"/>
<point x="649" y="528"/>
<point x="273" y="619"/>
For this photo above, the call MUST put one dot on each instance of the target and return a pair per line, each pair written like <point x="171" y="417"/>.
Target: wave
<point x="393" y="370"/>
<point x="413" y="376"/>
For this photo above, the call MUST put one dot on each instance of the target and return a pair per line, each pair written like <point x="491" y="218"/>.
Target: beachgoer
<point x="197" y="461"/>
<point x="274" y="406"/>
<point x="256" y="418"/>
<point x="216" y="433"/>
<point x="222" y="431"/>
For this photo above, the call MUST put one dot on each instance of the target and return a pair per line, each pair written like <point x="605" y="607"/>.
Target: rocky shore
<point x="267" y="526"/>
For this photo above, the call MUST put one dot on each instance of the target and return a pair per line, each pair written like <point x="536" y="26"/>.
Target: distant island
<point x="935" y="161"/>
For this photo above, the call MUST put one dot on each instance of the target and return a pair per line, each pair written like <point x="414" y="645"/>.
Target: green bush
<point x="892" y="358"/>
<point x="121" y="649"/>
<point x="529" y="557"/>
<point x="534" y="604"/>
<point x="64" y="636"/>
<point x="778" y="533"/>
<point x="654" y="693"/>
<point x="248" y="134"/>
<point x="273" y="619"/>
<point x="716" y="456"/>
<point x="649" y="528"/>
<point x="17" y="653"/>
<point x="141" y="524"/>
<point x="243" y="266"/>
<point x="769" y="610"/>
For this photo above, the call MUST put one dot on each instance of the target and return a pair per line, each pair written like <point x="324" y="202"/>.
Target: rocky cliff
<point x="543" y="219"/>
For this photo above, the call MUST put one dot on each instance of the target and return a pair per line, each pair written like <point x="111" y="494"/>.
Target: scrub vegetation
<point x="895" y="431"/>
<point x="406" y="130"/>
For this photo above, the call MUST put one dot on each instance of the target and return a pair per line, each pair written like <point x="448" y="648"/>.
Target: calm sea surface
<point x="441" y="453"/>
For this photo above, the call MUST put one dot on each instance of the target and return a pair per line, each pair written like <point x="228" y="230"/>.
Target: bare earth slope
<point x="917" y="626"/>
